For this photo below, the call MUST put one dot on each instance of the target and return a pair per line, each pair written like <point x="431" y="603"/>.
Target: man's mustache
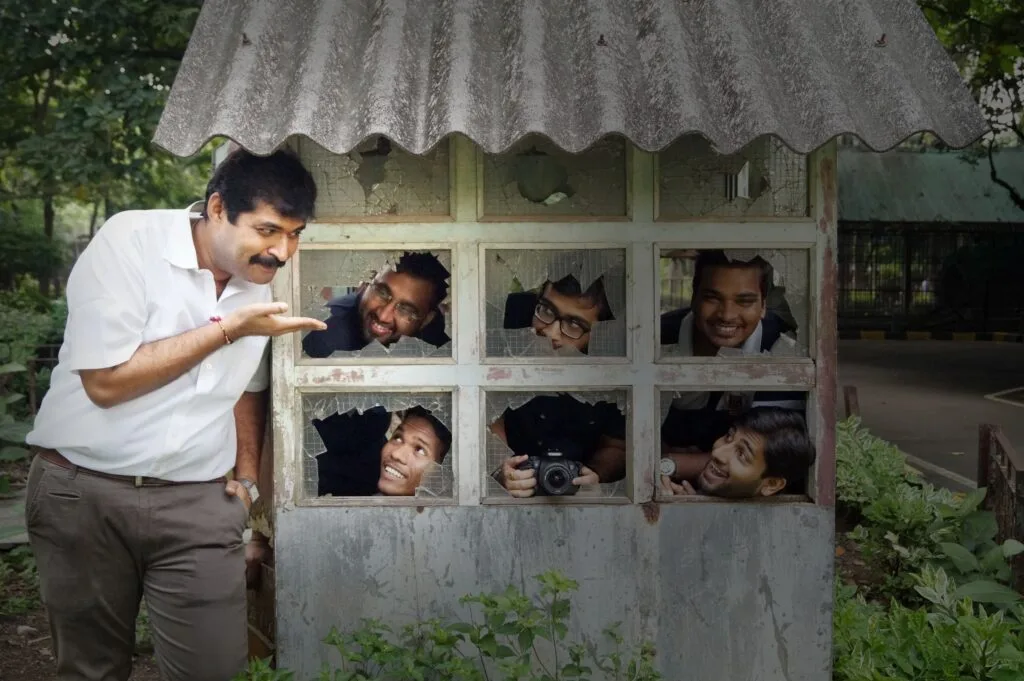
<point x="266" y="261"/>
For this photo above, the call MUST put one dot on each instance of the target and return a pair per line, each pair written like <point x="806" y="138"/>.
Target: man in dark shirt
<point x="729" y="310"/>
<point x="361" y="461"/>
<point x="593" y="434"/>
<point x="767" y="450"/>
<point x="401" y="301"/>
<point x="560" y="311"/>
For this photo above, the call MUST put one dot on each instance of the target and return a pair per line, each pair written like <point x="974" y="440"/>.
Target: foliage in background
<point x="83" y="87"/>
<point x="985" y="38"/>
<point x="942" y="608"/>
<point x="19" y="582"/>
<point x="513" y="637"/>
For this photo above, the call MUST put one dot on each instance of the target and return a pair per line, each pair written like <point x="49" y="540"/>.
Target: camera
<point x="555" y="473"/>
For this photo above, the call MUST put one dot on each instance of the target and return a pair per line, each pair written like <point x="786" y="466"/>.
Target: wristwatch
<point x="667" y="466"/>
<point x="250" y="487"/>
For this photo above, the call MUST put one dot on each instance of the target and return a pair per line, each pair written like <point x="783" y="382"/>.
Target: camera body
<point x="555" y="473"/>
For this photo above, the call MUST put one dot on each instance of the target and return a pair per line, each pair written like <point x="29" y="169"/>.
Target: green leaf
<point x="11" y="453"/>
<point x="964" y="560"/>
<point x="1012" y="547"/>
<point x="12" y="368"/>
<point x="973" y="499"/>
<point x="15" y="432"/>
<point x="984" y="591"/>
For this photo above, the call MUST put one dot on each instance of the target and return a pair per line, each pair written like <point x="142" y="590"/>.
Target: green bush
<point x="504" y="641"/>
<point x="953" y="639"/>
<point x="866" y="466"/>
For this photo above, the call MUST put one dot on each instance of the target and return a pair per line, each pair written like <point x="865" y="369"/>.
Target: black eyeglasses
<point x="571" y="327"/>
<point x="404" y="310"/>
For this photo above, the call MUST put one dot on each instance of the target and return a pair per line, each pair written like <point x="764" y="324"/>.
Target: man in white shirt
<point x="159" y="392"/>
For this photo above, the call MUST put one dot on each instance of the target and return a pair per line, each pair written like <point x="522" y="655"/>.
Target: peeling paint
<point x="496" y="374"/>
<point x="652" y="511"/>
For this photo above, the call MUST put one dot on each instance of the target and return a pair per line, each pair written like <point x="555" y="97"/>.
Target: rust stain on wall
<point x="652" y="511"/>
<point x="344" y="376"/>
<point x="826" y="367"/>
<point x="496" y="374"/>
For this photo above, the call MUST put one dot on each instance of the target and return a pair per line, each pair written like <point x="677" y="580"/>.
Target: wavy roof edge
<point x="260" y="72"/>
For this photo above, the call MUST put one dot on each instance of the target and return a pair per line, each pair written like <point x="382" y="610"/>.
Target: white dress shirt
<point x="138" y="282"/>
<point x="751" y="346"/>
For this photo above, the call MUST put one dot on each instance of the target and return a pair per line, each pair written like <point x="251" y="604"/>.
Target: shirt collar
<point x="751" y="346"/>
<point x="180" y="248"/>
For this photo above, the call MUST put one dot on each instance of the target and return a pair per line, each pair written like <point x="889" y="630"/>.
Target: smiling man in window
<point x="729" y="314"/>
<point x="561" y="311"/>
<point x="361" y="459"/>
<point x="402" y="300"/>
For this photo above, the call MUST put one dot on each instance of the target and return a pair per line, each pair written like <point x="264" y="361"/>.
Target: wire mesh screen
<point x="437" y="479"/>
<point x="595" y="297"/>
<point x="537" y="178"/>
<point x="572" y="423"/>
<point x="953" y="278"/>
<point x="764" y="179"/>
<point x="336" y="285"/>
<point x="378" y="179"/>
<point x="787" y="300"/>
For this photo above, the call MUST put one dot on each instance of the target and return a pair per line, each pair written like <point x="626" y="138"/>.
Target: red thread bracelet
<point x="218" y="320"/>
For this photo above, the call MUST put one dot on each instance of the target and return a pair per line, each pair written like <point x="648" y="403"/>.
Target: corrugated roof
<point x="259" y="71"/>
<point x="906" y="186"/>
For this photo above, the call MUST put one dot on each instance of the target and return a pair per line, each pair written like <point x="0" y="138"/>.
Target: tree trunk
<point x="45" y="280"/>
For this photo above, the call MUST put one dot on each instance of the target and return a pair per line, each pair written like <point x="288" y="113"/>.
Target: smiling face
<point x="737" y="467"/>
<point x="395" y="304"/>
<point x="412" y="449"/>
<point x="559" y="317"/>
<point x="727" y="307"/>
<point x="256" y="245"/>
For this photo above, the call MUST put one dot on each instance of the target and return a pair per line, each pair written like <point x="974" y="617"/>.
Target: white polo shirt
<point x="751" y="346"/>
<point x="138" y="282"/>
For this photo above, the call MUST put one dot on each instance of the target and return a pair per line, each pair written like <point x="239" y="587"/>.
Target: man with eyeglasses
<point x="561" y="311"/>
<point x="403" y="300"/>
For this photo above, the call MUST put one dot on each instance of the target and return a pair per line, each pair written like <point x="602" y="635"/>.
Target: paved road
<point x="928" y="397"/>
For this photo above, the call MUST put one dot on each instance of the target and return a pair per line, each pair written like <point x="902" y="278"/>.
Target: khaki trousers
<point x="101" y="544"/>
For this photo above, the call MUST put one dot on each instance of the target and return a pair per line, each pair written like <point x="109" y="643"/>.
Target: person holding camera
<point x="560" y="444"/>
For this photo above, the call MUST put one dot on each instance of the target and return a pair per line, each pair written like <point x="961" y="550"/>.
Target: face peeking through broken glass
<point x="418" y="443"/>
<point x="566" y="315"/>
<point x="728" y="302"/>
<point x="402" y="299"/>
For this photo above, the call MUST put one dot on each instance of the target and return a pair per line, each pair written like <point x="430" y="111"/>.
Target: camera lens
<point x="557" y="478"/>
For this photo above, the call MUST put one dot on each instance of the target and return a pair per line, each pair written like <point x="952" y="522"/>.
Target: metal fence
<point x="1001" y="471"/>
<point x="931" y="278"/>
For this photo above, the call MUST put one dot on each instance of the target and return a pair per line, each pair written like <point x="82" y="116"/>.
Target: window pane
<point x="764" y="179"/>
<point x="536" y="178"/>
<point x="556" y="303"/>
<point x="554" y="435"/>
<point x="750" y="302"/>
<point x="378" y="444"/>
<point x="378" y="180"/>
<point x="734" y="444"/>
<point x="377" y="303"/>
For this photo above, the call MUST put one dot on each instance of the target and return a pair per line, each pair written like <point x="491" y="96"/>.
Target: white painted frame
<point x="468" y="374"/>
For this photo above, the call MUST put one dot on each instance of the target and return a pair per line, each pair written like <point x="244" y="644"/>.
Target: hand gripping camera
<point x="555" y="473"/>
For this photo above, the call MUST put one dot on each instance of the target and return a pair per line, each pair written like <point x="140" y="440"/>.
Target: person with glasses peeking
<point x="402" y="300"/>
<point x="561" y="311"/>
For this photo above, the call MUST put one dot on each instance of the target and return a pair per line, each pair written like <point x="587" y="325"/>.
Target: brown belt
<point x="56" y="458"/>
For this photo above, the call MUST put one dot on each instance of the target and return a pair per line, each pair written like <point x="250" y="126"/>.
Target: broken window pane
<point x="376" y="303"/>
<point x="752" y="302"/>
<point x="377" y="444"/>
<point x="736" y="444"/>
<point x="551" y="303"/>
<point x="554" y="435"/>
<point x="378" y="179"/>
<point x="764" y="179"/>
<point x="534" y="177"/>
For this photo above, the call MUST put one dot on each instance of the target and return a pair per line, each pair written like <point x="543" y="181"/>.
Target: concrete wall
<point x="727" y="592"/>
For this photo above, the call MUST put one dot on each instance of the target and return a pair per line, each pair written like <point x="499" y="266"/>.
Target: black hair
<point x="425" y="265"/>
<point x="440" y="430"/>
<point x="243" y="179"/>
<point x="594" y="295"/>
<point x="710" y="258"/>
<point x="788" y="450"/>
